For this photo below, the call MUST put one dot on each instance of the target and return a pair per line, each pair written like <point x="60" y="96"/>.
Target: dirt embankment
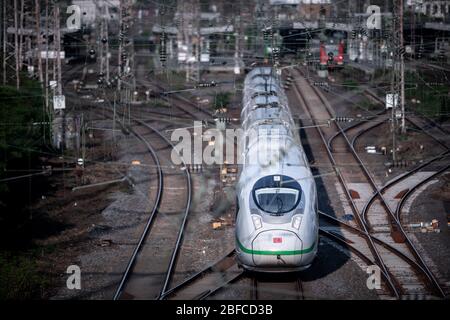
<point x="67" y="222"/>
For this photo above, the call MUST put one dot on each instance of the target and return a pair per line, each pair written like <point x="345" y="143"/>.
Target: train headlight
<point x="296" y="222"/>
<point x="257" y="222"/>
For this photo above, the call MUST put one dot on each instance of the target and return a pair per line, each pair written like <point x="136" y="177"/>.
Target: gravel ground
<point x="118" y="231"/>
<point x="202" y="244"/>
<point x="409" y="149"/>
<point x="434" y="203"/>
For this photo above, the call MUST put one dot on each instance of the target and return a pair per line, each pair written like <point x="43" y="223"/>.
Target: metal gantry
<point x="398" y="73"/>
<point x="27" y="27"/>
<point x="188" y="16"/>
<point x="11" y="28"/>
<point x="21" y="40"/>
<point x="103" y="41"/>
<point x="126" y="80"/>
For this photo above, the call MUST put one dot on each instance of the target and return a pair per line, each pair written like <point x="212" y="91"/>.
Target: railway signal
<point x="267" y="34"/>
<point x="224" y="120"/>
<point x="398" y="163"/>
<point x="163" y="49"/>
<point x="343" y="119"/>
<point x="421" y="49"/>
<point x="276" y="56"/>
<point x="207" y="84"/>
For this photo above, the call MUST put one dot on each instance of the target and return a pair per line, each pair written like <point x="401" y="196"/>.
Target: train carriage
<point x="277" y="219"/>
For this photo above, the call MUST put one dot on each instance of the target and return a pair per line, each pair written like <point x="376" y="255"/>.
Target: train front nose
<point x="277" y="248"/>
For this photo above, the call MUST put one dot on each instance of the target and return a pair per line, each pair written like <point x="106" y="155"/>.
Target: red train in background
<point x="332" y="55"/>
<point x="332" y="50"/>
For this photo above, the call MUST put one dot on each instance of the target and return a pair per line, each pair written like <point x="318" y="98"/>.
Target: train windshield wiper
<point x="280" y="204"/>
<point x="277" y="200"/>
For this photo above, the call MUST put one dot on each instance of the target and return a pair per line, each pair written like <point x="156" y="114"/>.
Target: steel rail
<point x="376" y="240"/>
<point x="379" y="101"/>
<point x="154" y="210"/>
<point x="297" y="283"/>
<point x="410" y="119"/>
<point x="149" y="222"/>
<point x="255" y="288"/>
<point x="175" y="252"/>
<point x="353" y="126"/>
<point x="398" y="179"/>
<point x="397" y="226"/>
<point x="424" y="268"/>
<point x="413" y="189"/>
<point x="178" y="97"/>
<point x="346" y="245"/>
<point x="394" y="288"/>
<point x="221" y="265"/>
<point x="165" y="292"/>
<point x="217" y="266"/>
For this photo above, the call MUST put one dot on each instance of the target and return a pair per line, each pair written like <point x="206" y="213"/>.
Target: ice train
<point x="277" y="217"/>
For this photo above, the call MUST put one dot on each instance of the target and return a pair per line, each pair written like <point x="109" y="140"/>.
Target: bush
<point x="350" y="84"/>
<point x="19" y="277"/>
<point x="21" y="142"/>
<point x="369" y="105"/>
<point x="221" y="100"/>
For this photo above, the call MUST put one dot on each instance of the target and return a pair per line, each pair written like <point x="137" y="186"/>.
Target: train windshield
<point x="277" y="200"/>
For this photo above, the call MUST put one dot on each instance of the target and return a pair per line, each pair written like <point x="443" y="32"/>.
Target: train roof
<point x="253" y="173"/>
<point x="272" y="145"/>
<point x="266" y="115"/>
<point x="260" y="70"/>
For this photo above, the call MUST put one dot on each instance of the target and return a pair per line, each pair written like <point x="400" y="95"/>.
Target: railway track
<point x="200" y="285"/>
<point x="216" y="277"/>
<point x="445" y="167"/>
<point x="228" y="271"/>
<point x="132" y="282"/>
<point x="355" y="240"/>
<point x="410" y="191"/>
<point x="148" y="272"/>
<point x="398" y="190"/>
<point x="422" y="123"/>
<point x="277" y="287"/>
<point x="402" y="278"/>
<point x="210" y="280"/>
<point x="138" y="280"/>
<point x="408" y="175"/>
<point x="176" y="100"/>
<point x="206" y="282"/>
<point x="131" y="263"/>
<point x="375" y="256"/>
<point x="431" y="66"/>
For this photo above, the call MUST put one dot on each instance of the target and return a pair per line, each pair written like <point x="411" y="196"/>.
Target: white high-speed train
<point x="277" y="221"/>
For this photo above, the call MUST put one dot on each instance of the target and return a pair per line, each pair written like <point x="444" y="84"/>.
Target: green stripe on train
<point x="275" y="253"/>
